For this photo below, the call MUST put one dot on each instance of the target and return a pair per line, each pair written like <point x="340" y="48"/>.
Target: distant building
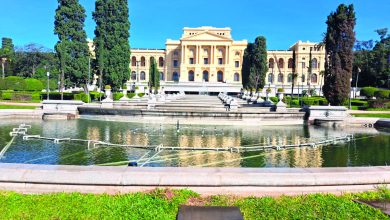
<point x="207" y="59"/>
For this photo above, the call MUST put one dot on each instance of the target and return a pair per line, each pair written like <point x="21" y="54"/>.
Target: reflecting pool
<point x="369" y="148"/>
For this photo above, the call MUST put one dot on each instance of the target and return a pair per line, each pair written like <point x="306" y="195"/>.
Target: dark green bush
<point x="131" y="95"/>
<point x="295" y="102"/>
<point x="382" y="94"/>
<point x="57" y="96"/>
<point x="6" y="95"/>
<point x="82" y="97"/>
<point x="33" y="85"/>
<point x="368" y="92"/>
<point x="141" y="94"/>
<point x="117" y="96"/>
<point x="36" y="96"/>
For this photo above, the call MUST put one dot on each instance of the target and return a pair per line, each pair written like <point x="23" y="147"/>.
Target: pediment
<point x="206" y="36"/>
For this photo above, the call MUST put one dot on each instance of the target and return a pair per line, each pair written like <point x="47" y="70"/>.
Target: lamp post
<point x="350" y="103"/>
<point x="357" y="79"/>
<point x="48" y="84"/>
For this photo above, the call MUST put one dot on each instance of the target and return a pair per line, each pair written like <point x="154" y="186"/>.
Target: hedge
<point x="57" y="96"/>
<point x="382" y="94"/>
<point x="33" y="85"/>
<point x="117" y="96"/>
<point x="368" y="92"/>
<point x="82" y="97"/>
<point x="13" y="83"/>
<point x="379" y="104"/>
<point x="95" y="96"/>
<point x="20" y="96"/>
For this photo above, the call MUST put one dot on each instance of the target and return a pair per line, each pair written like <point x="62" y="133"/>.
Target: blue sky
<point x="282" y="22"/>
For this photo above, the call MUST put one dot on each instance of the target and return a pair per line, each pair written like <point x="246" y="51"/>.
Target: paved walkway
<point x="209" y="181"/>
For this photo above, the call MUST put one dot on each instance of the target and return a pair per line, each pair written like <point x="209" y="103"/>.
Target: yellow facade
<point x="208" y="59"/>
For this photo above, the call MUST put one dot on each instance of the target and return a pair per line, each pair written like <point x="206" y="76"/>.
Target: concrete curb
<point x="92" y="179"/>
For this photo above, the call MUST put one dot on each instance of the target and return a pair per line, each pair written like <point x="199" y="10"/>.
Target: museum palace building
<point x="208" y="60"/>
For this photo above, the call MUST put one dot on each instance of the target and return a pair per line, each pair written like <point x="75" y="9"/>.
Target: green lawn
<point x="17" y="107"/>
<point x="372" y="115"/>
<point x="164" y="204"/>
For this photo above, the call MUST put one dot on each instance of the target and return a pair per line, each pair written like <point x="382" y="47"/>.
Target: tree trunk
<point x="62" y="83"/>
<point x="3" y="69"/>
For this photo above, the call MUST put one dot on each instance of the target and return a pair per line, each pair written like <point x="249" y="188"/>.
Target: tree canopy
<point x="7" y="53"/>
<point x="255" y="66"/>
<point x="112" y="46"/>
<point x="71" y="48"/>
<point x="339" y="42"/>
<point x="154" y="75"/>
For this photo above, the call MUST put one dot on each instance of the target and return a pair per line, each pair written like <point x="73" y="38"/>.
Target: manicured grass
<point x="17" y="107"/>
<point x="372" y="115"/>
<point x="15" y="101"/>
<point x="164" y="204"/>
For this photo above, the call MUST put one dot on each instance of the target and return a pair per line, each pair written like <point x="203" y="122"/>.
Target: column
<point x="226" y="54"/>
<point x="211" y="55"/>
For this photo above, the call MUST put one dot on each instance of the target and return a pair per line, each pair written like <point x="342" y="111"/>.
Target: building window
<point x="303" y="78"/>
<point x="237" y="64"/>
<point x="314" y="78"/>
<point x="205" y="52"/>
<point x="220" y="61"/>
<point x="281" y="63"/>
<point x="271" y="63"/>
<point x="143" y="61"/>
<point x="289" y="78"/>
<point x="290" y="63"/>
<point x="161" y="62"/>
<point x="220" y="52"/>
<point x="236" y="77"/>
<point x="191" y="61"/>
<point x="271" y="78"/>
<point x="142" y="77"/>
<point x="191" y="76"/>
<point x="175" y="53"/>
<point x="314" y="63"/>
<point x="175" y="77"/>
<point x="280" y="78"/>
<point x="205" y="76"/>
<point x="220" y="76"/>
<point x="206" y="61"/>
<point x="303" y="65"/>
<point x="133" y="75"/>
<point x="133" y="61"/>
<point x="175" y="63"/>
<point x="162" y="77"/>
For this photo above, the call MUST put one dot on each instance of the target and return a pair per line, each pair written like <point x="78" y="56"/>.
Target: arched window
<point x="220" y="76"/>
<point x="175" y="77"/>
<point x="237" y="54"/>
<point x="162" y="77"/>
<point x="133" y="75"/>
<point x="271" y="78"/>
<point x="205" y="76"/>
<point x="175" y="53"/>
<point x="289" y="78"/>
<point x="303" y="78"/>
<point x="271" y="63"/>
<point x="314" y="78"/>
<point x="151" y="60"/>
<point x="314" y="63"/>
<point x="161" y="62"/>
<point x="236" y="77"/>
<point x="143" y="61"/>
<point x="133" y="61"/>
<point x="142" y="76"/>
<point x="191" y="76"/>
<point x="281" y="63"/>
<point x="290" y="63"/>
<point x="280" y="78"/>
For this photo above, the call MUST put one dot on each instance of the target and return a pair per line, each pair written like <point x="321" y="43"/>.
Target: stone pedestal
<point x="326" y="113"/>
<point x="124" y="98"/>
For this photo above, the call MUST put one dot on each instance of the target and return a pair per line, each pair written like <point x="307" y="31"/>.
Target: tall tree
<point x="112" y="46"/>
<point x="7" y="52"/>
<point x="71" y="48"/>
<point x="255" y="64"/>
<point x="339" y="42"/>
<point x="154" y="75"/>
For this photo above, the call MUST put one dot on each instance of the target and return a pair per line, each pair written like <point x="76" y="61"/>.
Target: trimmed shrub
<point x="368" y="92"/>
<point x="36" y="96"/>
<point x="33" y="85"/>
<point x="141" y="94"/>
<point x="57" y="96"/>
<point x="280" y="90"/>
<point x="274" y="99"/>
<point x="6" y="95"/>
<point x="380" y="103"/>
<point x="82" y="97"/>
<point x="117" y="96"/>
<point x="382" y="94"/>
<point x="95" y="96"/>
<point x="131" y="95"/>
<point x="14" y="83"/>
